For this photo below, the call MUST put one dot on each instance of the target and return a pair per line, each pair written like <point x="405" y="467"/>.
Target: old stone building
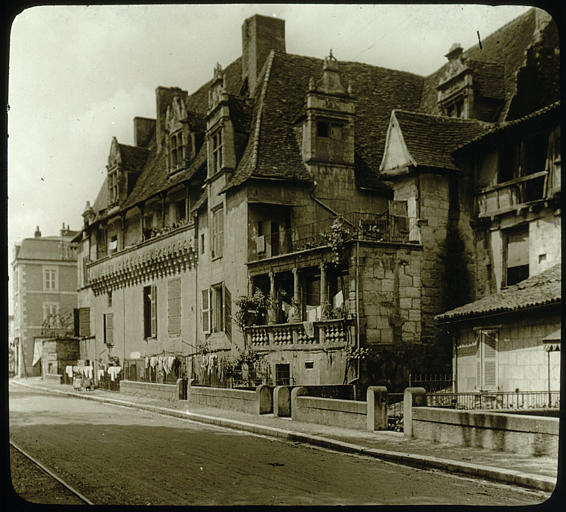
<point x="296" y="213"/>
<point x="44" y="293"/>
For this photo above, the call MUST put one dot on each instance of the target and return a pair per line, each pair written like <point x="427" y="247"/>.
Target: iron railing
<point x="432" y="382"/>
<point x="495" y="400"/>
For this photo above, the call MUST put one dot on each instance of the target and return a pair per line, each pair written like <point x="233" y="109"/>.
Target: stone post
<point x="295" y="392"/>
<point x="141" y="207"/>
<point x="264" y="394"/>
<point x="412" y="397"/>
<point x="282" y="401"/>
<point x="376" y="399"/>
<point x="250" y="286"/>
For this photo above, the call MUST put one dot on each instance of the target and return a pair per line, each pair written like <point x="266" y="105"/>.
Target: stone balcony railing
<point x="293" y="335"/>
<point x="166" y="254"/>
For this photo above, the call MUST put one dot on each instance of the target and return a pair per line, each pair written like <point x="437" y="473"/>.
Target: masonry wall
<point x="522" y="362"/>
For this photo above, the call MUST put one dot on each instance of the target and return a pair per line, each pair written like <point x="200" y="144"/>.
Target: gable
<point x="395" y="154"/>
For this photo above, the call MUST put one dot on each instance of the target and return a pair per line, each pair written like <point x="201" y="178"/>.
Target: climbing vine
<point x="337" y="236"/>
<point x="252" y="310"/>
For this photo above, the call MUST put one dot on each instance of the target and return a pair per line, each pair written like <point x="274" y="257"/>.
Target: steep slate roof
<point x="432" y="139"/>
<point x="273" y="150"/>
<point x="506" y="45"/>
<point x="45" y="248"/>
<point x="541" y="289"/>
<point x="133" y="157"/>
<point x="552" y="110"/>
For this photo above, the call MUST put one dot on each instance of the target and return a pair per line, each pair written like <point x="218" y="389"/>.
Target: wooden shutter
<point x="489" y="368"/>
<point x="109" y="329"/>
<point x="76" y="322"/>
<point x="84" y="322"/>
<point x="174" y="307"/>
<point x="205" y="309"/>
<point x="154" y="311"/>
<point x="227" y="312"/>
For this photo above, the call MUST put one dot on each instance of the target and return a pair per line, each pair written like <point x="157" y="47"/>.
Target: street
<point x="122" y="456"/>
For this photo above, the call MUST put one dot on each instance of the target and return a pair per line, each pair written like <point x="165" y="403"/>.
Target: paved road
<point x="116" y="455"/>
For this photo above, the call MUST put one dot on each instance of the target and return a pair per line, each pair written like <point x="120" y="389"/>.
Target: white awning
<point x="552" y="341"/>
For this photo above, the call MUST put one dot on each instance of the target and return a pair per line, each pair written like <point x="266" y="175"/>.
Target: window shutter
<point x="227" y="312"/>
<point x="174" y="307"/>
<point x="84" y="322"/>
<point x="153" y="311"/>
<point x="205" y="308"/>
<point x="76" y="322"/>
<point x="109" y="329"/>
<point x="489" y="359"/>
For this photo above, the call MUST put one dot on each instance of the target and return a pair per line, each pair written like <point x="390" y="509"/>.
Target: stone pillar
<point x="264" y="394"/>
<point x="272" y="313"/>
<point x="122" y="231"/>
<point x="295" y="313"/>
<point x="376" y="399"/>
<point x="296" y="392"/>
<point x="250" y="286"/>
<point x="323" y="295"/>
<point x="412" y="397"/>
<point x="142" y="212"/>
<point x="163" y="197"/>
<point x="282" y="401"/>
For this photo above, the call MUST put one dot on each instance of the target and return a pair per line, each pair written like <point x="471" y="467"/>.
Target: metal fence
<point x="106" y="383"/>
<point x="432" y="382"/>
<point x="495" y="400"/>
<point x="395" y="411"/>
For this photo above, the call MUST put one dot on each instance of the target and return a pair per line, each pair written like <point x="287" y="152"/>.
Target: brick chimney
<point x="143" y="130"/>
<point x="260" y="35"/>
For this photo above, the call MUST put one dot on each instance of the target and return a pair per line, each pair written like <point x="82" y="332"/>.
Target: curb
<point x="509" y="476"/>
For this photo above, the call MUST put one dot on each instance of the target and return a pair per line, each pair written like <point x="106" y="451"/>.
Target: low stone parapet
<point x="529" y="435"/>
<point x="165" y="392"/>
<point x="53" y="378"/>
<point x="258" y="401"/>
<point x="328" y="411"/>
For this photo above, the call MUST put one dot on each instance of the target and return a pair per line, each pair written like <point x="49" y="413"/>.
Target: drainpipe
<point x="124" y="323"/>
<point x="358" y="303"/>
<point x="196" y="255"/>
<point x="325" y="206"/>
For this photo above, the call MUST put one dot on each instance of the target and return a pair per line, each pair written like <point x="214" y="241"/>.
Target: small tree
<point x="252" y="310"/>
<point x="337" y="236"/>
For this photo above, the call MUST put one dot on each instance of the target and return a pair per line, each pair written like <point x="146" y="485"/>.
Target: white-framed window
<point x="216" y="152"/>
<point x="217" y="232"/>
<point x="487" y="340"/>
<point x="50" y="279"/>
<point x="217" y="310"/>
<point x="205" y="310"/>
<point x="150" y="311"/>
<point x="51" y="314"/>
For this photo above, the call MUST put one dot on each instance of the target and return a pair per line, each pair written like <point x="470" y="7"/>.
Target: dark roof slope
<point x="551" y="111"/>
<point x="432" y="139"/>
<point x="538" y="290"/>
<point x="133" y="157"/>
<point x="273" y="150"/>
<point x="506" y="45"/>
<point x="46" y="248"/>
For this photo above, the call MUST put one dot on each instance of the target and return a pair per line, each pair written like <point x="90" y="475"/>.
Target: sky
<point x="78" y="75"/>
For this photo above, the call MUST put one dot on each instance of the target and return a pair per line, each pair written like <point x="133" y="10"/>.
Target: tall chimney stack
<point x="260" y="35"/>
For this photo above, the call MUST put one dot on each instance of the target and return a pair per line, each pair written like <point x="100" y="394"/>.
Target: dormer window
<point x="177" y="151"/>
<point x="217" y="152"/>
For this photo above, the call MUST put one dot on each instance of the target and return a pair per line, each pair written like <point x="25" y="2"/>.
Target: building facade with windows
<point x="293" y="211"/>
<point x="44" y="270"/>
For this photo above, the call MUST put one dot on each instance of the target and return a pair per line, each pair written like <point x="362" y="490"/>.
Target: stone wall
<point x="528" y="435"/>
<point x="164" y="392"/>
<point x="328" y="411"/>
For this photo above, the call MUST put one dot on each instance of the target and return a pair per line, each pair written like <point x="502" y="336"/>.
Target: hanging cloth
<point x="37" y="349"/>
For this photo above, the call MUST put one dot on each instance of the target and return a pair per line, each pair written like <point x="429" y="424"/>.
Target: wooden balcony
<point x="511" y="195"/>
<point x="293" y="336"/>
<point x="165" y="254"/>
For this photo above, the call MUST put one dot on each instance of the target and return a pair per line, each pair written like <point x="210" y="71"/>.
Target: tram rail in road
<point x="71" y="489"/>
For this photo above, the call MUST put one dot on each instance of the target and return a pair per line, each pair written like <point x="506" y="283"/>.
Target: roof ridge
<point x="257" y="130"/>
<point x="437" y="116"/>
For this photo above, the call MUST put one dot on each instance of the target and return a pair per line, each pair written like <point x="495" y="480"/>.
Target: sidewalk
<point x="534" y="472"/>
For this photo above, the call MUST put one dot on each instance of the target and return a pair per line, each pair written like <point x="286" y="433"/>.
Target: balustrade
<point x="277" y="336"/>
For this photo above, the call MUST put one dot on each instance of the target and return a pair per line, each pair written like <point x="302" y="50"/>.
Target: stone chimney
<point x="260" y="35"/>
<point x="37" y="233"/>
<point x="455" y="52"/>
<point x="143" y="130"/>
